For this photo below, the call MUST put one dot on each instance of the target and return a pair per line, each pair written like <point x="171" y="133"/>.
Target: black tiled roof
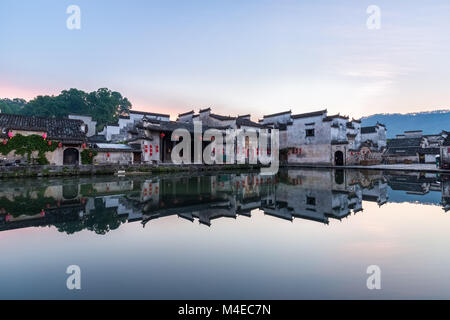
<point x="248" y="123"/>
<point x="336" y="116"/>
<point x="173" y="125"/>
<point x="371" y="129"/>
<point x="404" y="147"/>
<point x="149" y="113"/>
<point x="204" y="110"/>
<point x="309" y="114"/>
<point x="404" y="143"/>
<point x="403" y="151"/>
<point x="97" y="138"/>
<point x="446" y="141"/>
<point x="277" y="114"/>
<point x="56" y="128"/>
<point x="429" y="150"/>
<point x="186" y="113"/>
<point x="220" y="117"/>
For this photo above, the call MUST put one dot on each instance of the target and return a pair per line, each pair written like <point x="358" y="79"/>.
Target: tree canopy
<point x="12" y="106"/>
<point x="104" y="105"/>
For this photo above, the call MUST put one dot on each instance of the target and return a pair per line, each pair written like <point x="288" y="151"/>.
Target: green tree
<point x="13" y="106"/>
<point x="104" y="105"/>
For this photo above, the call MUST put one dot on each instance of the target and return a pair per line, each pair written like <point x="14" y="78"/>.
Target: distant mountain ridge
<point x="396" y="123"/>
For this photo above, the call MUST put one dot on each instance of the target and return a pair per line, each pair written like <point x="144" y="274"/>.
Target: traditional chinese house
<point x="54" y="141"/>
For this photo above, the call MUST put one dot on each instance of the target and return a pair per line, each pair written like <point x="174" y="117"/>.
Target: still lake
<point x="303" y="234"/>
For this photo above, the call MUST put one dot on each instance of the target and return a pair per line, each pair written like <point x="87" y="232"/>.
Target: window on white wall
<point x="310" y="132"/>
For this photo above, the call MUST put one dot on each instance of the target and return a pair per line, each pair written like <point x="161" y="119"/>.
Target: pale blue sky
<point x="254" y="56"/>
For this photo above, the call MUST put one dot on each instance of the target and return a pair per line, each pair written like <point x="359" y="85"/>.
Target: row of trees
<point x="104" y="105"/>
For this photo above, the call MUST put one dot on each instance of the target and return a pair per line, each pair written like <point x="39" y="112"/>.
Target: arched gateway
<point x="338" y="158"/>
<point x="71" y="156"/>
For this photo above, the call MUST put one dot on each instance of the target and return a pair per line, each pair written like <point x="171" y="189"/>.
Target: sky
<point x="238" y="57"/>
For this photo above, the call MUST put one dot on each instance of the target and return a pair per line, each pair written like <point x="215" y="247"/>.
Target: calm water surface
<point x="302" y="234"/>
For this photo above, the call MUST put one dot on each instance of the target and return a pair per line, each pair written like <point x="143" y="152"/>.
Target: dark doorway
<point x="71" y="156"/>
<point x="137" y="157"/>
<point x="338" y="158"/>
<point x="421" y="158"/>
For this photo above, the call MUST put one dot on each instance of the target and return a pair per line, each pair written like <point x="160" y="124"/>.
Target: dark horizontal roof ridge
<point x="309" y="114"/>
<point x="244" y="115"/>
<point x="276" y="114"/>
<point x="327" y="118"/>
<point x="204" y="110"/>
<point x="185" y="113"/>
<point x="149" y="113"/>
<point x="409" y="131"/>
<point x="243" y="121"/>
<point x="221" y="117"/>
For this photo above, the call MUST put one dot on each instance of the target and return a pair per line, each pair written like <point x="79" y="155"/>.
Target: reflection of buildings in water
<point x="209" y="197"/>
<point x="376" y="192"/>
<point x="414" y="187"/>
<point x="316" y="195"/>
<point x="446" y="194"/>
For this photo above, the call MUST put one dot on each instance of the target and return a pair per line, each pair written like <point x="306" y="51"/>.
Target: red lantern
<point x="49" y="143"/>
<point x="44" y="135"/>
<point x="60" y="145"/>
<point x="42" y="213"/>
<point x="83" y="145"/>
<point x="157" y="149"/>
<point x="8" y="217"/>
<point x="162" y="135"/>
<point x="108" y="154"/>
<point x="10" y="134"/>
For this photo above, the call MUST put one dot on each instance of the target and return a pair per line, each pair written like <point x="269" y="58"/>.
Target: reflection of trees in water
<point x="22" y="205"/>
<point x="101" y="220"/>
